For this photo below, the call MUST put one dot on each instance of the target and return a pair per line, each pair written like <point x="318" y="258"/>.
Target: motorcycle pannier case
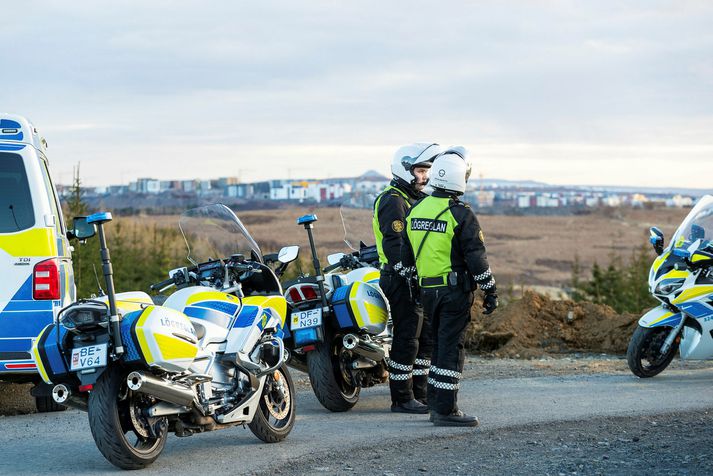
<point x="159" y="337"/>
<point x="361" y="305"/>
<point x="48" y="356"/>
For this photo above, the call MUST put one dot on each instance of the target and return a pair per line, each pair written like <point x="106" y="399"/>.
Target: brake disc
<point x="278" y="402"/>
<point x="137" y="421"/>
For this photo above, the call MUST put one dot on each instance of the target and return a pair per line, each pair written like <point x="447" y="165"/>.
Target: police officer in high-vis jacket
<point x="445" y="241"/>
<point x="409" y="358"/>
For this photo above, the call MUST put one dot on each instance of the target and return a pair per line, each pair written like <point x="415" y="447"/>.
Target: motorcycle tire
<point x="331" y="389"/>
<point x="46" y="404"/>
<point x="275" y="415"/>
<point x="644" y="356"/>
<point x="114" y="413"/>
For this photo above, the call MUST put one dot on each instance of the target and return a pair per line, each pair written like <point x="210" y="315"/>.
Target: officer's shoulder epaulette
<point x="457" y="203"/>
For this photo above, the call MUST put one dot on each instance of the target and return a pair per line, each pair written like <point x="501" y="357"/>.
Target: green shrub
<point x="622" y="284"/>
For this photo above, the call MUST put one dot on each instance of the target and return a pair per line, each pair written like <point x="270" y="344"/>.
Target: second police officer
<point x="444" y="240"/>
<point x="409" y="358"/>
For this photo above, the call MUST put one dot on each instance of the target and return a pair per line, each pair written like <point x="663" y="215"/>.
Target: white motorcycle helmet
<point x="408" y="157"/>
<point x="451" y="170"/>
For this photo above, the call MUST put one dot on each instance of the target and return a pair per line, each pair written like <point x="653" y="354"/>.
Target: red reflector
<point x="295" y="295"/>
<point x="45" y="280"/>
<point x="86" y="388"/>
<point x="309" y="292"/>
<point x="308" y="348"/>
<point x="20" y="366"/>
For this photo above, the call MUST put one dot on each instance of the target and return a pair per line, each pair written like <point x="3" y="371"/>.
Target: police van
<point x="35" y="261"/>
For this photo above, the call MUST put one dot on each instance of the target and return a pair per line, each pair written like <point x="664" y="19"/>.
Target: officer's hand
<point x="490" y="303"/>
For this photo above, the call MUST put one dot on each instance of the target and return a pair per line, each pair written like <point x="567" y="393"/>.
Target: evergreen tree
<point x="623" y="285"/>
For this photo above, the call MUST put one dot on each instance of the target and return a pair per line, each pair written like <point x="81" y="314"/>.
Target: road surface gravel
<point x="528" y="417"/>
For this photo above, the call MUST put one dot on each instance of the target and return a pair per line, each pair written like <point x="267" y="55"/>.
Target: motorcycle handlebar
<point x="332" y="267"/>
<point x="162" y="284"/>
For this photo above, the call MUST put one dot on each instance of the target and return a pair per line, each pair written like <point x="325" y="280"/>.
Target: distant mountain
<point x="373" y="176"/>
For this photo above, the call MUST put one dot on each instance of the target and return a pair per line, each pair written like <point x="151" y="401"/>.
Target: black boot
<point x="412" y="406"/>
<point x="457" y="418"/>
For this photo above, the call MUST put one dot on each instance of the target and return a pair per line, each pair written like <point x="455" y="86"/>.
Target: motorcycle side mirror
<point x="288" y="254"/>
<point x="81" y="230"/>
<point x="656" y="240"/>
<point x="179" y="275"/>
<point x="335" y="258"/>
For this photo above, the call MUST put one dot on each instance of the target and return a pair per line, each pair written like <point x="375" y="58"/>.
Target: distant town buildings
<point x="361" y="192"/>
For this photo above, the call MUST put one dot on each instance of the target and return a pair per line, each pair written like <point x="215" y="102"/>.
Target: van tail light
<point x="305" y="292"/>
<point x="45" y="280"/>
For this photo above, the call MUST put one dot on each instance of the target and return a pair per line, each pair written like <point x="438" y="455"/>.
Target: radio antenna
<point x="96" y="276"/>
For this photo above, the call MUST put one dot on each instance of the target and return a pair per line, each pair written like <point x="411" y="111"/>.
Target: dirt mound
<point x="536" y="325"/>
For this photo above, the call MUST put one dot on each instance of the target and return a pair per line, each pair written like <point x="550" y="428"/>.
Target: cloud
<point x="141" y="82"/>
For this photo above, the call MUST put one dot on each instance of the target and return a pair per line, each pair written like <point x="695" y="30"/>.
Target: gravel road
<point x="534" y="424"/>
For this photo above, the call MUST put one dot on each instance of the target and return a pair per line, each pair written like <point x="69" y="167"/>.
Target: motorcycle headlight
<point x="667" y="286"/>
<point x="84" y="316"/>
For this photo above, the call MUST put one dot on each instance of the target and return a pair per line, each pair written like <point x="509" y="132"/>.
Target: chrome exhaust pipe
<point x="363" y="363"/>
<point x="60" y="393"/>
<point x="363" y="348"/>
<point x="63" y="395"/>
<point x="162" y="389"/>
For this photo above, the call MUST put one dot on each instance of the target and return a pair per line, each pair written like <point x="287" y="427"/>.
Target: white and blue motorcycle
<point x="682" y="279"/>
<point x="210" y="357"/>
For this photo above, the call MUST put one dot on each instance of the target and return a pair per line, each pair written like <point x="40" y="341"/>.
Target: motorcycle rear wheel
<point x="644" y="353"/>
<point x="275" y="416"/>
<point x="327" y="379"/>
<point x="125" y="437"/>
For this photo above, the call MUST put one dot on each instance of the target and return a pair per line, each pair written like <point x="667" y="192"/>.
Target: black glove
<point x="490" y="303"/>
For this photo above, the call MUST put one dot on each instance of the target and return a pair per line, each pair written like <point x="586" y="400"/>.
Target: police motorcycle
<point x="338" y="324"/>
<point x="210" y="357"/>
<point x="682" y="279"/>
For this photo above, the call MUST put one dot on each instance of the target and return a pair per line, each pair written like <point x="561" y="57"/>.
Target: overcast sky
<point x="564" y="92"/>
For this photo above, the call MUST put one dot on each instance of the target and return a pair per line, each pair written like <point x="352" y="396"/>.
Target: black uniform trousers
<point x="410" y="354"/>
<point x="449" y="311"/>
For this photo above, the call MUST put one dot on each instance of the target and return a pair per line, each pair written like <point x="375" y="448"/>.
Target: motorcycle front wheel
<point x="124" y="435"/>
<point x="275" y="415"/>
<point x="644" y="353"/>
<point x="330" y="387"/>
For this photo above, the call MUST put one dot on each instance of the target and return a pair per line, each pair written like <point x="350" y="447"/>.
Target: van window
<point x="54" y="205"/>
<point x="16" y="211"/>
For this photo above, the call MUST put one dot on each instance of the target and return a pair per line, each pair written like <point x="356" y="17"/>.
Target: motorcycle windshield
<point x="698" y="225"/>
<point x="214" y="232"/>
<point x="357" y="224"/>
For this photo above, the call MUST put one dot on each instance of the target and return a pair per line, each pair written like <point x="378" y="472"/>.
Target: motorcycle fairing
<point x="694" y="343"/>
<point x="257" y="314"/>
<point x="660" y="316"/>
<point x="699" y="310"/>
<point x="245" y="412"/>
<point x="697" y="292"/>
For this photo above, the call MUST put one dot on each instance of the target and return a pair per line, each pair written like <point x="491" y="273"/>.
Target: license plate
<point x="89" y="357"/>
<point x="304" y="319"/>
